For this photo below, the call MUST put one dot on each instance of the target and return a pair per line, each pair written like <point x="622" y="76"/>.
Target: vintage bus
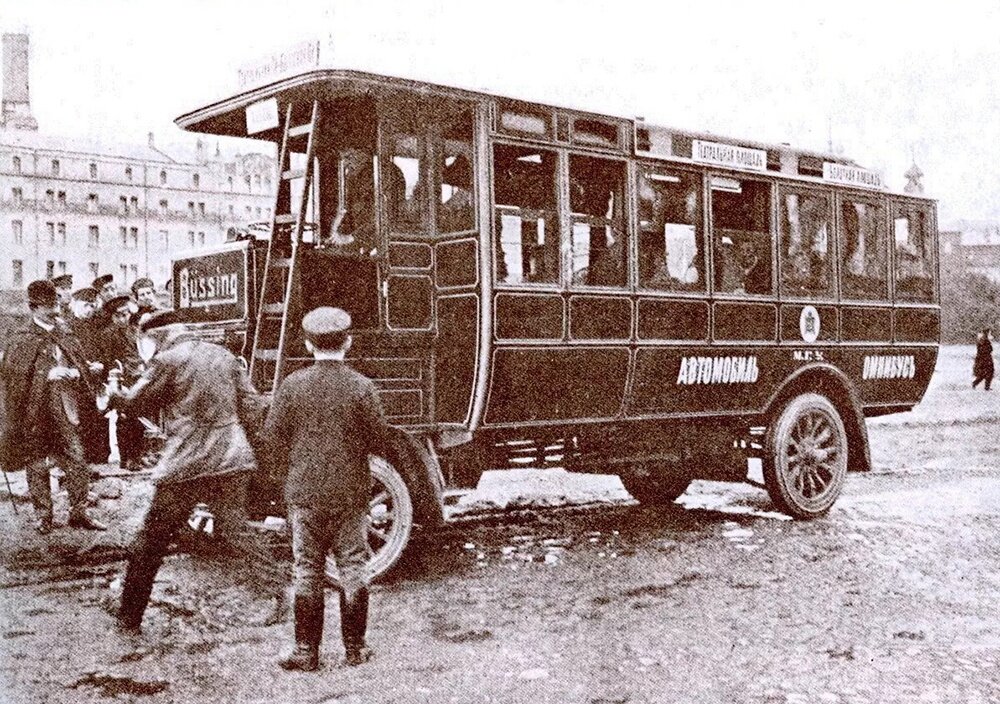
<point x="537" y="284"/>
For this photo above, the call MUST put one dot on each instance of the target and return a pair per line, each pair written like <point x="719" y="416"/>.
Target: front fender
<point x="422" y="473"/>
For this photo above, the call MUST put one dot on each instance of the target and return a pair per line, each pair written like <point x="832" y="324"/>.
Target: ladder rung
<point x="267" y="355"/>
<point x="300" y="130"/>
<point x="284" y="218"/>
<point x="293" y="174"/>
<point x="281" y="262"/>
<point x="272" y="308"/>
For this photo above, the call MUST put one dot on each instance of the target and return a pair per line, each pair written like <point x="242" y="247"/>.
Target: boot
<point x="308" y="635"/>
<point x="353" y="627"/>
<point x="79" y="518"/>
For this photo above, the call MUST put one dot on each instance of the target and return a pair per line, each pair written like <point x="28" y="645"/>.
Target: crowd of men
<point x="314" y="438"/>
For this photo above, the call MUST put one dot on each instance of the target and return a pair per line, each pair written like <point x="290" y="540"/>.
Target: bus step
<point x="267" y="355"/>
<point x="281" y="262"/>
<point x="284" y="219"/>
<point x="293" y="174"/>
<point x="299" y="130"/>
<point x="272" y="308"/>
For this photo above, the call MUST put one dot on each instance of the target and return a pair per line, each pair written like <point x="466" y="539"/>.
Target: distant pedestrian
<point x="144" y="293"/>
<point x="201" y="388"/>
<point x="982" y="368"/>
<point x="323" y="424"/>
<point x="49" y="382"/>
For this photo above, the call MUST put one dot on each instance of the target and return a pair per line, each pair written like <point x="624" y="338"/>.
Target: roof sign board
<point x="262" y="116"/>
<point x="292" y="60"/>
<point x="728" y="155"/>
<point x="852" y="176"/>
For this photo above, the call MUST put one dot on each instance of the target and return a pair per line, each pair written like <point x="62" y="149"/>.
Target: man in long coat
<point x="202" y="390"/>
<point x="84" y="327"/>
<point x="324" y="422"/>
<point x="49" y="397"/>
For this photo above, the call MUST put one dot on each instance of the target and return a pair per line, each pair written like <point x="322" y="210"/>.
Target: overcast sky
<point x="886" y="82"/>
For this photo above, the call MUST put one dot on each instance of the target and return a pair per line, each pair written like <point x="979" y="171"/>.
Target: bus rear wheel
<point x="388" y="525"/>
<point x="805" y="459"/>
<point x="653" y="485"/>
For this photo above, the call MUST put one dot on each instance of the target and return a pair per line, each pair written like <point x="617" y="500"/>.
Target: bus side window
<point x="670" y="233"/>
<point x="806" y="269"/>
<point x="600" y="250"/>
<point x="864" y="268"/>
<point x="914" y="247"/>
<point x="741" y="235"/>
<point x="456" y="210"/>
<point x="405" y="187"/>
<point x="527" y="221"/>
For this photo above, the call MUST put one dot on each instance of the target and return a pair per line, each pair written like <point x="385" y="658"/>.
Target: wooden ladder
<point x="279" y="303"/>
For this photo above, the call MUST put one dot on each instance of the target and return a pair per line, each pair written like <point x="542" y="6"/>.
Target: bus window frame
<point x="761" y="177"/>
<point x="833" y="295"/>
<point x="874" y="199"/>
<point x="649" y="165"/>
<point x="893" y="200"/>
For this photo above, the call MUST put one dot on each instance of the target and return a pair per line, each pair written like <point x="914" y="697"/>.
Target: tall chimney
<point x="15" y="107"/>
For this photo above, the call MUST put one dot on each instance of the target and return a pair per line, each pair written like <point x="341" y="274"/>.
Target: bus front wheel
<point x="388" y="525"/>
<point x="805" y="459"/>
<point x="652" y="485"/>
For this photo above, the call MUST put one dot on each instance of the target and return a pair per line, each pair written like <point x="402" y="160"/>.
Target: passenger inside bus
<point x="670" y="256"/>
<point x="741" y="221"/>
<point x="599" y="251"/>
<point x="456" y="211"/>
<point x="353" y="226"/>
<point x="864" y="263"/>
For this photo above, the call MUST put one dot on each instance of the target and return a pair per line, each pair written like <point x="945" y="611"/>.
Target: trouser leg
<point x="310" y="540"/>
<point x="227" y="498"/>
<point x="168" y="510"/>
<point x="130" y="436"/>
<point x="37" y="474"/>
<point x="351" y="553"/>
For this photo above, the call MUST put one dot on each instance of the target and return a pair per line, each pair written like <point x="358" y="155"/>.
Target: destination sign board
<point x="298" y="58"/>
<point x="728" y="155"/>
<point x="852" y="176"/>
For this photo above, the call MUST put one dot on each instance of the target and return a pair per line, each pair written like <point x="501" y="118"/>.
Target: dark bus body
<point x="539" y="285"/>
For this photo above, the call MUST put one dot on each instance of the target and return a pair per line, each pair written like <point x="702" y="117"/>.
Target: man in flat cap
<point x="105" y="287"/>
<point x="323" y="424"/>
<point x="116" y="346"/>
<point x="201" y="389"/>
<point x="144" y="293"/>
<point x="46" y="376"/>
<point x="64" y="292"/>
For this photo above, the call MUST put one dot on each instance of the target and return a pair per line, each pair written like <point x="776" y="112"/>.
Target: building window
<point x="123" y="205"/>
<point x="17" y="195"/>
<point x="123" y="235"/>
<point x="256" y="181"/>
<point x="196" y="180"/>
<point x="133" y="270"/>
<point x="93" y="268"/>
<point x="17" y="231"/>
<point x="164" y="239"/>
<point x="17" y="166"/>
<point x="61" y="197"/>
<point x="134" y="202"/>
<point x="50" y="199"/>
<point x="128" y="172"/>
<point x="55" y="167"/>
<point x="191" y="237"/>
<point x="50" y="269"/>
<point x="94" y="237"/>
<point x="201" y="208"/>
<point x="246" y="179"/>
<point x="123" y="269"/>
<point x="230" y="183"/>
<point x="163" y="208"/>
<point x="258" y="212"/>
<point x="50" y="231"/>
<point x="93" y="170"/>
<point x="231" y="213"/>
<point x="191" y="208"/>
<point x="134" y="237"/>
<point x="61" y="229"/>
<point x="201" y="238"/>
<point x="92" y="203"/>
<point x="163" y="178"/>
<point x="61" y="267"/>
<point x="17" y="273"/>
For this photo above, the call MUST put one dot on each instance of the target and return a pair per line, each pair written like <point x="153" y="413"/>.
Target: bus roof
<point x="227" y="117"/>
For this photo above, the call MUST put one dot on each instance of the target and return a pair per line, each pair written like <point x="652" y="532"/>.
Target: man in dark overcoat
<point x="201" y="388"/>
<point x="84" y="327"/>
<point x="323" y="424"/>
<point x="49" y="396"/>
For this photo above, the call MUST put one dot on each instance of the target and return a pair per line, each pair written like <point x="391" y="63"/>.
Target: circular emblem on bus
<point x="809" y="324"/>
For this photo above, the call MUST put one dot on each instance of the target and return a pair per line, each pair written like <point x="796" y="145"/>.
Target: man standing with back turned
<point x="323" y="423"/>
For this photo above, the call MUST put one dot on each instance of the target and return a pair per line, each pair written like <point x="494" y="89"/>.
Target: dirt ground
<point x="716" y="599"/>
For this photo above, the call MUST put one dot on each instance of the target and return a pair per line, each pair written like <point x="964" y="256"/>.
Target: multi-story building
<point x="68" y="206"/>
